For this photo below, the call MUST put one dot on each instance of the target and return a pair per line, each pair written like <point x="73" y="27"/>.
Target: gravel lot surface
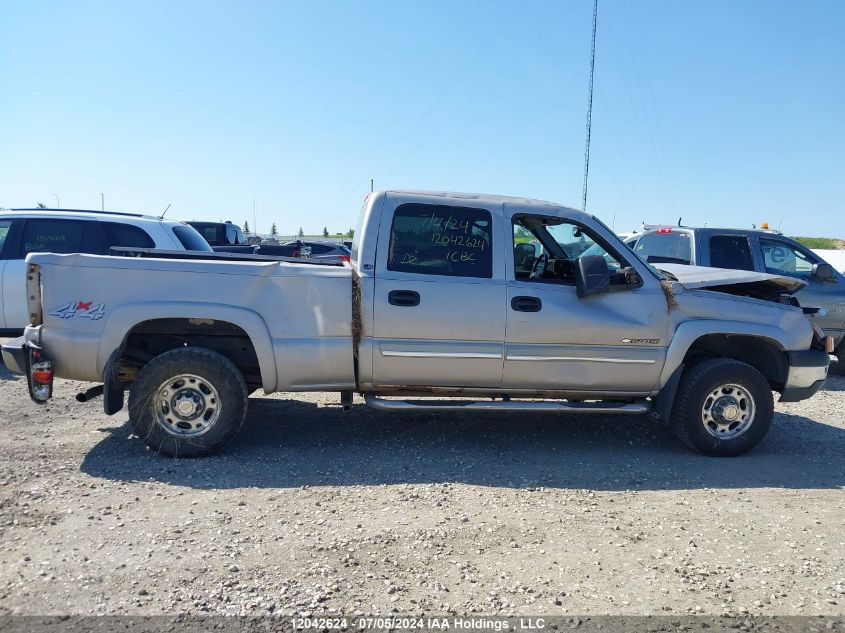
<point x="318" y="511"/>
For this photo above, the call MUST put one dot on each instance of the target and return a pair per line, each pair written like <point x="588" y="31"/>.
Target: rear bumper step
<point x="556" y="406"/>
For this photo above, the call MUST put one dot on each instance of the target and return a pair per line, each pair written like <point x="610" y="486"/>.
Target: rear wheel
<point x="188" y="402"/>
<point x="723" y="407"/>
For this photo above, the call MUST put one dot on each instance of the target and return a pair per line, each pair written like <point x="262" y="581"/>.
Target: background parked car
<point x="24" y="231"/>
<point x="759" y="250"/>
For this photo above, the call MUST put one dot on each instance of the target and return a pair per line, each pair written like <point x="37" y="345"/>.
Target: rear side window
<point x="5" y="225"/>
<point x="665" y="248"/>
<point x="731" y="251"/>
<point x="441" y="240"/>
<point x="320" y="249"/>
<point x="51" y="236"/>
<point x="190" y="239"/>
<point x="126" y="235"/>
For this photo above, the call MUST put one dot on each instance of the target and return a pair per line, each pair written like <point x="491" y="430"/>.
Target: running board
<point x="556" y="406"/>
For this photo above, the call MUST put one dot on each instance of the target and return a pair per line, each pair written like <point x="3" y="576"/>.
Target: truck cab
<point x="458" y="295"/>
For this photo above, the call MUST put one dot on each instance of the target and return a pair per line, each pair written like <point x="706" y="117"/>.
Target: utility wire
<point x="590" y="108"/>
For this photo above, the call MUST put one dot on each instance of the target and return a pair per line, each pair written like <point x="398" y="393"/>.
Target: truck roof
<point x="711" y="229"/>
<point x="485" y="198"/>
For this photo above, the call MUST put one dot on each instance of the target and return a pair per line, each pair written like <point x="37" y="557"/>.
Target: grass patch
<point x="820" y="242"/>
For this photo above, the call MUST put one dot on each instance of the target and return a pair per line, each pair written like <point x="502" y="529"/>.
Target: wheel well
<point x="762" y="354"/>
<point x="148" y="339"/>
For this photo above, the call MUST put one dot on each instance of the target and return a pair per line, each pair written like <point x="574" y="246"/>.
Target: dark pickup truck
<point x="758" y="250"/>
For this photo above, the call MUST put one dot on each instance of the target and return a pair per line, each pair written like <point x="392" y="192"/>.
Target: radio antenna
<point x="590" y="107"/>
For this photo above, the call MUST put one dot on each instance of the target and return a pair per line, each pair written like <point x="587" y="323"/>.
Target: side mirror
<point x="592" y="276"/>
<point x="823" y="272"/>
<point x="525" y="251"/>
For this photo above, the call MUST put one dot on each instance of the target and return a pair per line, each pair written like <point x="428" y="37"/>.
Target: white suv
<point x="24" y="231"/>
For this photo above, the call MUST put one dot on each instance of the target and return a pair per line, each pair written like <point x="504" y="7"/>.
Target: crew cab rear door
<point x="613" y="342"/>
<point x="439" y="296"/>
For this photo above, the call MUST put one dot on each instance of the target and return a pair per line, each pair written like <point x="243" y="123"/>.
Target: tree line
<point x="350" y="233"/>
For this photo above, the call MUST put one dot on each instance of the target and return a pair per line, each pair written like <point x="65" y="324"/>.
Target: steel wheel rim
<point x="728" y="411"/>
<point x="187" y="405"/>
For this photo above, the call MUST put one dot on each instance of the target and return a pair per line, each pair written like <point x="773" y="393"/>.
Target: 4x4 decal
<point x="82" y="309"/>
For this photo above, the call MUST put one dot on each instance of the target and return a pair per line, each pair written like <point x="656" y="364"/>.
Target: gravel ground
<point x="312" y="510"/>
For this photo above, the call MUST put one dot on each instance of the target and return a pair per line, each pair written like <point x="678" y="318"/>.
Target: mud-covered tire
<point x="177" y="380"/>
<point x="694" y="420"/>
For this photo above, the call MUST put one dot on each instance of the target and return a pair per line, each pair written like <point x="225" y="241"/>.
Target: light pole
<point x="58" y="204"/>
<point x="254" y="222"/>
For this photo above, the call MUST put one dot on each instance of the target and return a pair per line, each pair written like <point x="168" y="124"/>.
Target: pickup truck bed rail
<point x="122" y="251"/>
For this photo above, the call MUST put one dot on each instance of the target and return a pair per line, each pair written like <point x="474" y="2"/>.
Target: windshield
<point x="575" y="242"/>
<point x="661" y="274"/>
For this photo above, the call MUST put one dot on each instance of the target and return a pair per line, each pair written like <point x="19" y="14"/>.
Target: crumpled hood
<point x="743" y="281"/>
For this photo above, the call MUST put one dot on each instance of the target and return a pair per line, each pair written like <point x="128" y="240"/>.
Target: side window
<point x="666" y="248"/>
<point x="546" y="249"/>
<point x="441" y="240"/>
<point x="5" y="225"/>
<point x="320" y="249"/>
<point x="210" y="234"/>
<point x="526" y="250"/>
<point x="784" y="259"/>
<point x="731" y="251"/>
<point x="126" y="235"/>
<point x="51" y="236"/>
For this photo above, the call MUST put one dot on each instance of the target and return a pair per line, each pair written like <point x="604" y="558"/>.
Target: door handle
<point x="526" y="304"/>
<point x="403" y="298"/>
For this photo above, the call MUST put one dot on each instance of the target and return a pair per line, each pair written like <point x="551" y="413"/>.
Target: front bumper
<point x="13" y="355"/>
<point x="806" y="374"/>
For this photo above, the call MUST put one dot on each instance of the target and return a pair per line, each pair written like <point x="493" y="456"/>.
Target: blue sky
<point x="722" y="112"/>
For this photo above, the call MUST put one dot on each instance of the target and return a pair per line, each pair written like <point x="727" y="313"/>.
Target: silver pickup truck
<point x="451" y="303"/>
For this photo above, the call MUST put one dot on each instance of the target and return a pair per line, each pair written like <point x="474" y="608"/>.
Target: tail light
<point x="42" y="373"/>
<point x="344" y="258"/>
<point x="664" y="229"/>
<point x="295" y="253"/>
<point x="39" y="375"/>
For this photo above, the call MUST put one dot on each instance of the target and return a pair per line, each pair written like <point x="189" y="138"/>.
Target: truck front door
<point x="612" y="342"/>
<point x="439" y="297"/>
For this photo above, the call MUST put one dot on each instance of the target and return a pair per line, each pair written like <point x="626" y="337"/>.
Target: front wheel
<point x="723" y="407"/>
<point x="188" y="402"/>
